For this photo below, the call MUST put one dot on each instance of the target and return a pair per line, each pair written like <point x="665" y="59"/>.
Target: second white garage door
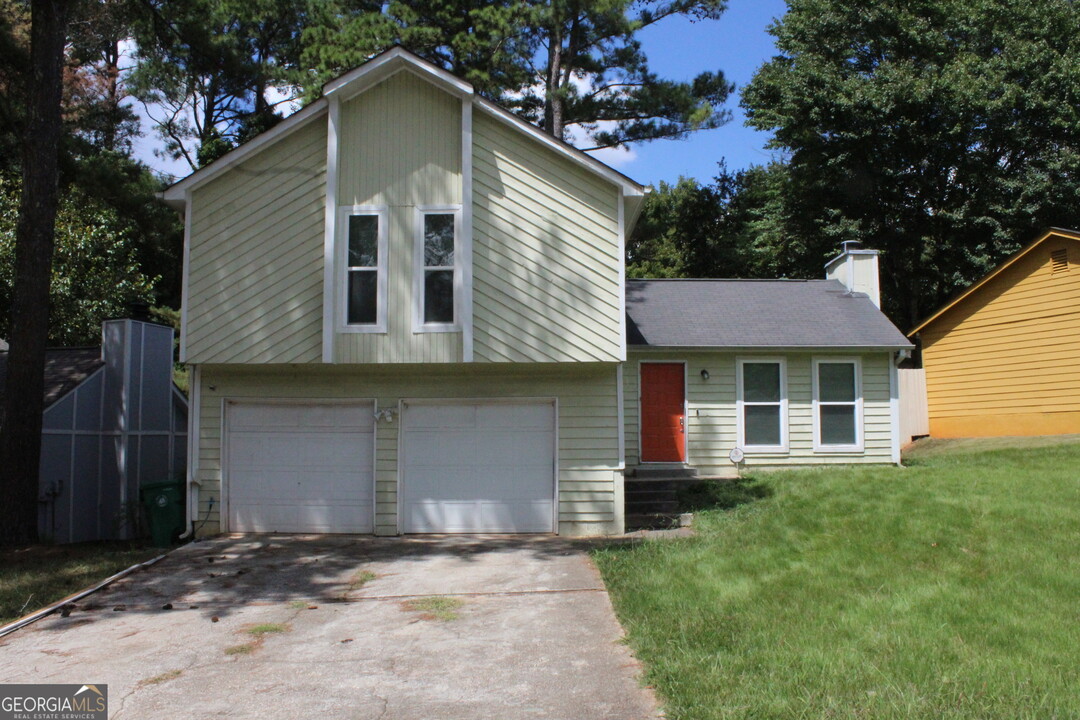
<point x="300" y="467"/>
<point x="477" y="467"/>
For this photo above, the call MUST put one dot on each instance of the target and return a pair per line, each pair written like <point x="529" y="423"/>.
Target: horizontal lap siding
<point x="711" y="411"/>
<point x="590" y="483"/>
<point x="255" y="276"/>
<point x="546" y="263"/>
<point x="400" y="147"/>
<point x="1009" y="350"/>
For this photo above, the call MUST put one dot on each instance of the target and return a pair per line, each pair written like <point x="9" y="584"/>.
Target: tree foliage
<point x="96" y="271"/>
<point x="943" y="132"/>
<point x="573" y="67"/>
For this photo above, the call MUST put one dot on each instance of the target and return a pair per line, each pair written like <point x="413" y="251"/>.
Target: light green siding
<point x="400" y="147"/>
<point x="256" y="256"/>
<point x="546" y="256"/>
<point x="711" y="420"/>
<point x="590" y="481"/>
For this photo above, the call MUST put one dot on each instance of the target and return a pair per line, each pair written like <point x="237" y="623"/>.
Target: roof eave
<point x="775" y="348"/>
<point x="1008" y="262"/>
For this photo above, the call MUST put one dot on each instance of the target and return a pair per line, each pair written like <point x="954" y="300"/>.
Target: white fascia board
<point x="388" y="64"/>
<point x="174" y="194"/>
<point x="768" y="348"/>
<point x="590" y="163"/>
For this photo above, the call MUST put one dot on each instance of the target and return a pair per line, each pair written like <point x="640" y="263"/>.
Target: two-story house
<point x="405" y="312"/>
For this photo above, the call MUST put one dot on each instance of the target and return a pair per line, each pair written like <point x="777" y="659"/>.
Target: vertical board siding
<point x="546" y="265"/>
<point x="1003" y="360"/>
<point x="590" y="482"/>
<point x="400" y="147"/>
<point x="914" y="417"/>
<point x="255" y="279"/>
<point x="711" y="421"/>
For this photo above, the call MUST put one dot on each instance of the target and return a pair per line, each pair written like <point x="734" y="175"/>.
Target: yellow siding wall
<point x="256" y="256"/>
<point x="590" y="481"/>
<point x="400" y="146"/>
<point x="546" y="261"/>
<point x="1006" y="359"/>
<point x="712" y="420"/>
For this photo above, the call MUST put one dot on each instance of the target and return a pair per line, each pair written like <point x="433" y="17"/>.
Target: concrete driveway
<point x="344" y="627"/>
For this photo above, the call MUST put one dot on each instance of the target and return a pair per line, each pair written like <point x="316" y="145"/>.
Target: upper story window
<point x="838" y="405"/>
<point x="438" y="269"/>
<point x="762" y="404"/>
<point x="363" y="262"/>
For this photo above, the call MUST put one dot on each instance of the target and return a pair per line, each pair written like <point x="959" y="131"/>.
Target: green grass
<point x="245" y="649"/>
<point x="267" y="629"/>
<point x="436" y="607"/>
<point x="948" y="589"/>
<point x="33" y="577"/>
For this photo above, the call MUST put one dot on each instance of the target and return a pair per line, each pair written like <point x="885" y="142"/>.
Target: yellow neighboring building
<point x="1003" y="358"/>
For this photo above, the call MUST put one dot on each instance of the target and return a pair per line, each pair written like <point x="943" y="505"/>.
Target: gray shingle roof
<point x="754" y="313"/>
<point x="65" y="368"/>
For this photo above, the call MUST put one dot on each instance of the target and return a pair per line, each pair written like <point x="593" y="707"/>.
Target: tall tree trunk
<point x="553" y="100"/>
<point x="20" y="437"/>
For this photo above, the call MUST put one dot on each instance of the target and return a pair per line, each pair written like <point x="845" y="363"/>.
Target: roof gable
<point x="1008" y="263"/>
<point x="366" y="76"/>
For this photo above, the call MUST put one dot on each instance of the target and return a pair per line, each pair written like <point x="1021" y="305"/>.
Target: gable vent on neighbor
<point x="1059" y="261"/>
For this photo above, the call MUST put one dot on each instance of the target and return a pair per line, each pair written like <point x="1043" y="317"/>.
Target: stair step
<point x="651" y="521"/>
<point x="653" y="506"/>
<point x="664" y="473"/>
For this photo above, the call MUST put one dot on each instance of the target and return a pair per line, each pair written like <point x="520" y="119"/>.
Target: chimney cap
<point x="849" y="245"/>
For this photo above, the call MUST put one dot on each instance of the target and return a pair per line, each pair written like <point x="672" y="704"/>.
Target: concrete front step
<point x="663" y="472"/>
<point x="651" y="521"/>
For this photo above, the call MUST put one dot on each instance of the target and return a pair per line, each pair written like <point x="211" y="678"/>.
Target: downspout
<point x="194" y="413"/>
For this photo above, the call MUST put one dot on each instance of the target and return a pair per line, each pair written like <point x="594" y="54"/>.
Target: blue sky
<point x="677" y="49"/>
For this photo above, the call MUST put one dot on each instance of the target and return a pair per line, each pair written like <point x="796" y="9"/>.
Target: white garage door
<point x="304" y="468"/>
<point x="479" y="468"/>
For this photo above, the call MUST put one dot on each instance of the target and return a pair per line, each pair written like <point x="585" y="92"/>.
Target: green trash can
<point x="164" y="502"/>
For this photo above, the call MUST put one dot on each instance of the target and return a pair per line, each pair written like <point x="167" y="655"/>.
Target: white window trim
<point x="419" y="326"/>
<point x="859" y="445"/>
<point x="784" y="445"/>
<point x="344" y="213"/>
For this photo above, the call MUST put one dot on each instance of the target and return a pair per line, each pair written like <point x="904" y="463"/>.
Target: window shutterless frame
<point x="741" y="404"/>
<point x="341" y="255"/>
<point x="421" y="269"/>
<point x="856" y="405"/>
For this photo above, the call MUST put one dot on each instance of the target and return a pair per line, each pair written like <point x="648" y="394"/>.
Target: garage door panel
<point x="523" y="417"/>
<point x="478" y="467"/>
<point x="300" y="468"/>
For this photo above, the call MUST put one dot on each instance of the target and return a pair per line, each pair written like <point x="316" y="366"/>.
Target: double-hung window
<point x="762" y="404"/>
<point x="363" y="261"/>
<point x="838" y="405"/>
<point x="438" y="276"/>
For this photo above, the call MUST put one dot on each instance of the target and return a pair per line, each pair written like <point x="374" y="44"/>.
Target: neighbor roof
<point x="964" y="294"/>
<point x="755" y="314"/>
<point x="65" y="369"/>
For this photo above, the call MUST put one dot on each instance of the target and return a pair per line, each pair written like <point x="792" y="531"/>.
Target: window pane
<point x="836" y="382"/>
<point x="439" y="296"/>
<point x="761" y="382"/>
<point x="438" y="240"/>
<point x="363" y="240"/>
<point x="762" y="424"/>
<point x="363" y="297"/>
<point x="837" y="424"/>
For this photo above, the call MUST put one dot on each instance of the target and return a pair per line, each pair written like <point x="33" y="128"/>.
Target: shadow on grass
<point x="723" y="494"/>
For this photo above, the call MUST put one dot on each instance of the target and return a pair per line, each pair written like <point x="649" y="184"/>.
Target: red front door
<point x="663" y="426"/>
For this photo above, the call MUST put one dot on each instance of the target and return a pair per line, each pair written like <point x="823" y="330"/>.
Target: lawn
<point x="33" y="577"/>
<point x="946" y="589"/>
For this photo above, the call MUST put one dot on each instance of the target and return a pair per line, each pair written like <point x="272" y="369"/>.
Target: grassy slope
<point x="31" y="578"/>
<point x="947" y="589"/>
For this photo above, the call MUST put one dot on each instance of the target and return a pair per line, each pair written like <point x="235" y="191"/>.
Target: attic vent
<point x="1059" y="261"/>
